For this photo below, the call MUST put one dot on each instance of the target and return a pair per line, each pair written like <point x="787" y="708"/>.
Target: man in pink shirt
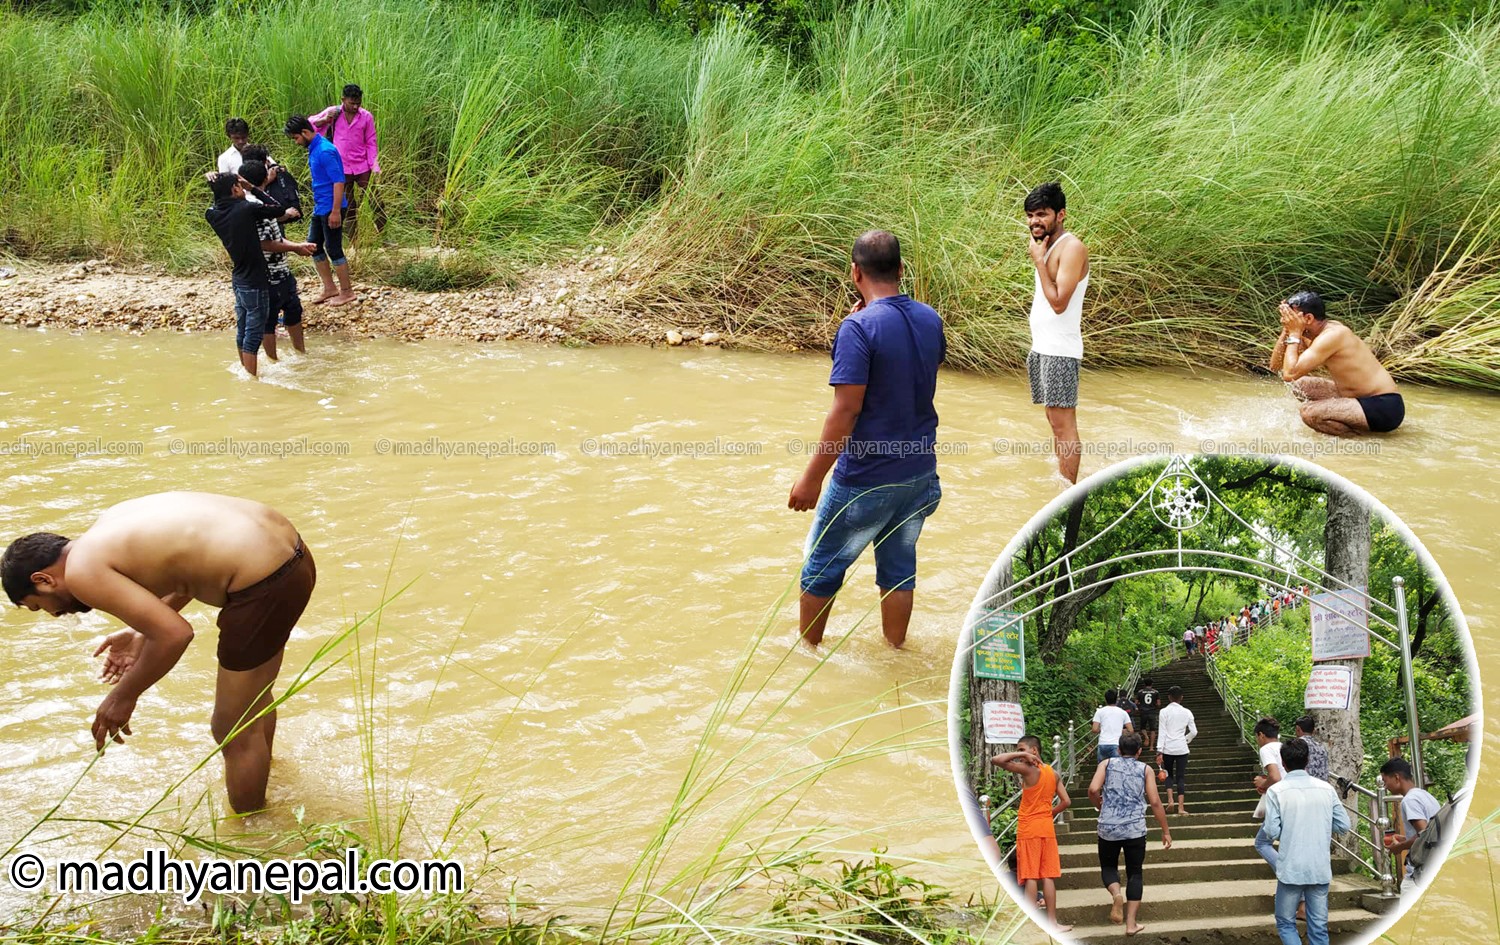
<point x="351" y="129"/>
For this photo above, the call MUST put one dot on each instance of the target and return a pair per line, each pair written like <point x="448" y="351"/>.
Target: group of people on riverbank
<point x="255" y="197"/>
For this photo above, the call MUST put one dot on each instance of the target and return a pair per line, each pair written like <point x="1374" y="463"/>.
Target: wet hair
<point x="1175" y="693"/>
<point x="257" y="152"/>
<point x="1268" y="727"/>
<point x="878" y="254"/>
<point x="222" y="185"/>
<point x="1031" y="740"/>
<point x="1397" y="766"/>
<point x="1294" y="755"/>
<point x="237" y="126"/>
<point x="1111" y="696"/>
<point x="1309" y="303"/>
<point x="254" y="172"/>
<point x="26" y="556"/>
<point x="355" y="92"/>
<point x="1130" y="744"/>
<point x="1307" y="724"/>
<point x="295" y="125"/>
<point x="1048" y="196"/>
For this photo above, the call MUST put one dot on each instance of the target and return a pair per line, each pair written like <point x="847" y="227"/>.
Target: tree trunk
<point x="981" y="772"/>
<point x="1346" y="550"/>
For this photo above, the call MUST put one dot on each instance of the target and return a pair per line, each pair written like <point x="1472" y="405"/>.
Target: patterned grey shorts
<point x="1054" y="379"/>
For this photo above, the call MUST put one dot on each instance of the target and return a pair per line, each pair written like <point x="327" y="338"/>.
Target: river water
<point x="580" y="600"/>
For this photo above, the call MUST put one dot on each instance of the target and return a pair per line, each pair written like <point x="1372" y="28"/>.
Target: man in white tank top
<point x="1062" y="274"/>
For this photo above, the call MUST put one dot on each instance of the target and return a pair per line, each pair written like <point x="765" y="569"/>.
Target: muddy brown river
<point x="578" y="601"/>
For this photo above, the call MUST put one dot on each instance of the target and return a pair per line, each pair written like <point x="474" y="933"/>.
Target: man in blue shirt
<point x="879" y="440"/>
<point x="326" y="228"/>
<point x="1304" y="814"/>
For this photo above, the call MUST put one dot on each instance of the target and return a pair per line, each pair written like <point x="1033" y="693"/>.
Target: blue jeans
<point x="1316" y="897"/>
<point x="251" y="306"/>
<point x="1267" y="851"/>
<point x="851" y="518"/>
<point x="1107" y="751"/>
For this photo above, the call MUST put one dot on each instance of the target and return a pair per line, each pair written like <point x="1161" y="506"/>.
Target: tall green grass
<point x="1211" y="174"/>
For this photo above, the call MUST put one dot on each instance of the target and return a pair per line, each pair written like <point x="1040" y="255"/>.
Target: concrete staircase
<point x="1211" y="887"/>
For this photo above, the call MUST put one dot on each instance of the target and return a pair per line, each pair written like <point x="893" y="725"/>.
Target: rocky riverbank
<point x="587" y="301"/>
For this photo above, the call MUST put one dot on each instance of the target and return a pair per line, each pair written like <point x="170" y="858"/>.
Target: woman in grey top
<point x="1121" y="789"/>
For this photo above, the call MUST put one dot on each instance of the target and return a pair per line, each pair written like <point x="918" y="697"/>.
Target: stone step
<point x="1226" y="930"/>
<point x="1212" y="900"/>
<point x="1227" y="830"/>
<point x="1206" y="814"/>
<point x="1076" y="850"/>
<point x="1248" y="867"/>
<point x="1225" y="778"/>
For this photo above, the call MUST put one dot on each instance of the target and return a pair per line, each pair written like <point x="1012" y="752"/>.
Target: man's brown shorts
<point x="257" y="620"/>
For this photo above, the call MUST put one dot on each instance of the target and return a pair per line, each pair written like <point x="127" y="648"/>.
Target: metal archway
<point x="1180" y="499"/>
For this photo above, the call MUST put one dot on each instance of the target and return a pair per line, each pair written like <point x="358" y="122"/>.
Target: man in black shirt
<point x="236" y="220"/>
<point x="1149" y="700"/>
<point x="280" y="183"/>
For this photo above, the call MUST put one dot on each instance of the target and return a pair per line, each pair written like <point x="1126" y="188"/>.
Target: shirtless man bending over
<point x="142" y="562"/>
<point x="1359" y="398"/>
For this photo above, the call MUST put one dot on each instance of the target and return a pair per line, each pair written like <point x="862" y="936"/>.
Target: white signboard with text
<point x="1340" y="625"/>
<point x="1329" y="687"/>
<point x="1003" y="723"/>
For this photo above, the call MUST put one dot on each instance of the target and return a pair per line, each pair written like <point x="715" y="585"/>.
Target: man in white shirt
<point x="1108" y="723"/>
<point x="1061" y="262"/>
<point x="238" y="131"/>
<point x="1178" y="728"/>
<point x="1268" y="737"/>
<point x="1417" y="806"/>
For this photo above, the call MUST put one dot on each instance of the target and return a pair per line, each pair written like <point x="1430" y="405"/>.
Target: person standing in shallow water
<point x="144" y="560"/>
<point x="1358" y="396"/>
<point x="1061" y="264"/>
<point x="237" y="222"/>
<point x="879" y="439"/>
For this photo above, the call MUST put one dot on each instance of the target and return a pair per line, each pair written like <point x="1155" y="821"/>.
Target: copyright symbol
<point x="1207" y="446"/>
<point x="795" y="447"/>
<point x="176" y="446"/>
<point x="382" y="446"/>
<point x="589" y="446"/>
<point x="1000" y="446"/>
<point x="27" y="871"/>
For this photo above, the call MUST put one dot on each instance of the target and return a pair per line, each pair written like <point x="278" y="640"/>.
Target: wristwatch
<point x="1294" y="339"/>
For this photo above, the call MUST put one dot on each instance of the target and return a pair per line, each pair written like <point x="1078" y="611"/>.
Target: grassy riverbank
<point x="1212" y="172"/>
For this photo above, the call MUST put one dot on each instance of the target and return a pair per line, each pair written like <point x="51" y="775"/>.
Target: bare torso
<point x="1355" y="370"/>
<point x="193" y="544"/>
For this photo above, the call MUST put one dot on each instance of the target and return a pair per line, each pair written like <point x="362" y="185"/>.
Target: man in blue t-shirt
<point x="326" y="228"/>
<point x="879" y="441"/>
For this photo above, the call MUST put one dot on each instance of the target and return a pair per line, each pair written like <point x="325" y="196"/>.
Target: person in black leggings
<point x="1122" y="788"/>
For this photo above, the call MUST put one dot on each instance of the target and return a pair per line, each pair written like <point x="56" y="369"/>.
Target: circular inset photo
<point x="1210" y="699"/>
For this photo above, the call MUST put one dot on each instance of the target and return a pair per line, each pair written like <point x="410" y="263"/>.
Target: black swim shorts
<point x="1383" y="412"/>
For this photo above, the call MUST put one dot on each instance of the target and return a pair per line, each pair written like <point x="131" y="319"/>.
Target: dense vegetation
<point x="1217" y="156"/>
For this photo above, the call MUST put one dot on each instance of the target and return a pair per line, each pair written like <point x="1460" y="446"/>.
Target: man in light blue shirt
<point x="1304" y="814"/>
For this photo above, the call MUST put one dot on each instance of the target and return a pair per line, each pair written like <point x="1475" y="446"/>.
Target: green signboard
<point x="1000" y="646"/>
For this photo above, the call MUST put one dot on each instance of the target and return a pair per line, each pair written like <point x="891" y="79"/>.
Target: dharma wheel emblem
<point x="1178" y="504"/>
